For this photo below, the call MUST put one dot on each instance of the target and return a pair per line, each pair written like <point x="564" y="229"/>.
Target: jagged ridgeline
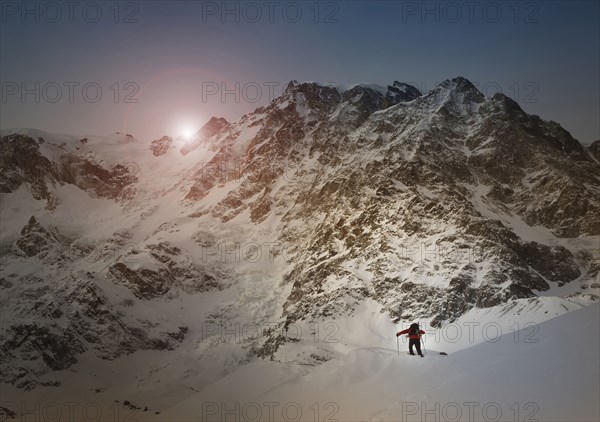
<point x="428" y="203"/>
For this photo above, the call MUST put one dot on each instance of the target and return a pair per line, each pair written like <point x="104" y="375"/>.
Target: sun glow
<point x="184" y="127"/>
<point x="187" y="132"/>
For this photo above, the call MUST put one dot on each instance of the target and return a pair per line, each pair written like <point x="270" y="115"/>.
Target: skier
<point x="414" y="337"/>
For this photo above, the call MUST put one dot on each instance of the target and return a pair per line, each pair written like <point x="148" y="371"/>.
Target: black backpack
<point x="414" y="329"/>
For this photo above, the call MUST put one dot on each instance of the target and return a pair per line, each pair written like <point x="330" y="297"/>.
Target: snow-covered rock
<point x="431" y="205"/>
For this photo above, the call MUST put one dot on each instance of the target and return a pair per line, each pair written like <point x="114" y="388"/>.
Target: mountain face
<point x="24" y="163"/>
<point x="594" y="149"/>
<point x="430" y="204"/>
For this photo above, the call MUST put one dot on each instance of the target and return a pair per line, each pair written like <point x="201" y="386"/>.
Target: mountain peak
<point x="324" y="97"/>
<point x="312" y="87"/>
<point x="458" y="90"/>
<point x="296" y="85"/>
<point x="460" y="84"/>
<point x="402" y="92"/>
<point x="214" y="125"/>
<point x="292" y="84"/>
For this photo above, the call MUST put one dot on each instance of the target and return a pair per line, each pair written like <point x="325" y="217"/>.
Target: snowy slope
<point x="547" y="371"/>
<point x="554" y="377"/>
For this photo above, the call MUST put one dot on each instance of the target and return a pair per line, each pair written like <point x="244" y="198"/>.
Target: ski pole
<point x="398" y="344"/>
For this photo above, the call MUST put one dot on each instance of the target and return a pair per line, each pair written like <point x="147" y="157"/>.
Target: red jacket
<point x="414" y="336"/>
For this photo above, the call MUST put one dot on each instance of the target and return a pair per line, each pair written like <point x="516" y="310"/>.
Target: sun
<point x="185" y="127"/>
<point x="187" y="132"/>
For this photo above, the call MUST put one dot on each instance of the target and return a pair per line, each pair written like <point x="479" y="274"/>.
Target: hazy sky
<point x="176" y="58"/>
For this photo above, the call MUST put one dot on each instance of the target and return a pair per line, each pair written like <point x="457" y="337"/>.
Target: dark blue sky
<point x="180" y="53"/>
